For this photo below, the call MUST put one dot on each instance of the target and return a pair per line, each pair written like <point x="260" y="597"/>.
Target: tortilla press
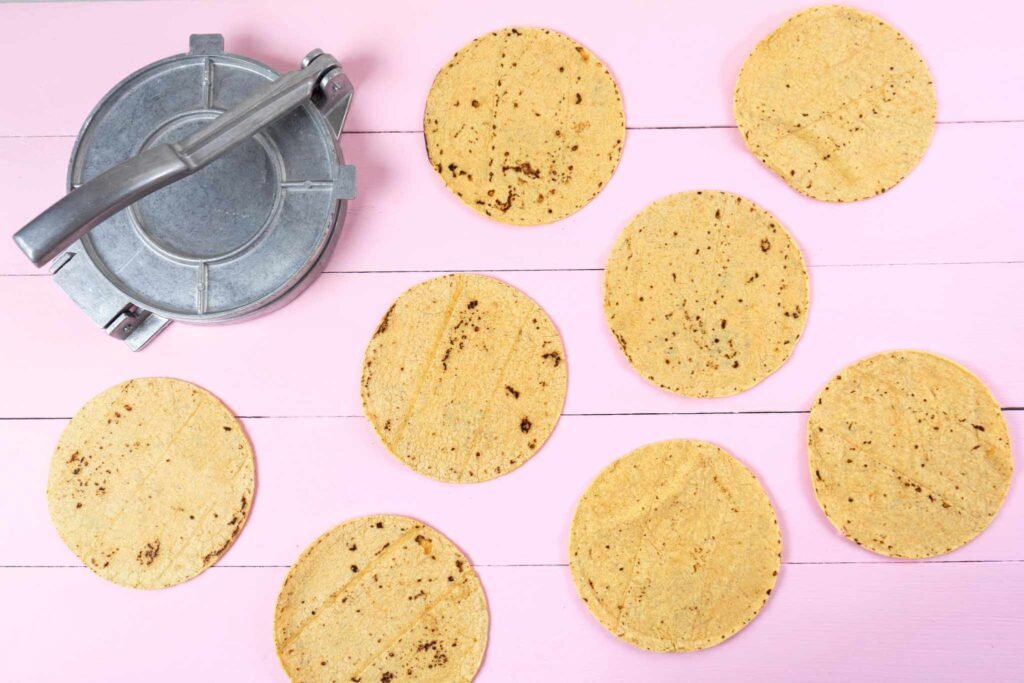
<point x="203" y="188"/>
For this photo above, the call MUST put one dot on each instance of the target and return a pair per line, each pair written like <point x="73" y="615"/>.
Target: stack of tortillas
<point x="464" y="378"/>
<point x="525" y="125"/>
<point x="151" y="482"/>
<point x="381" y="598"/>
<point x="675" y="546"/>
<point x="837" y="102"/>
<point x="909" y="454"/>
<point x="706" y="293"/>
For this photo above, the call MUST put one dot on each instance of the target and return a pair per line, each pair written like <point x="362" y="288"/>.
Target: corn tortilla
<point x="836" y="102"/>
<point x="381" y="598"/>
<point x="525" y="125"/>
<point x="465" y="378"/>
<point x="151" y="482"/>
<point x="909" y="454"/>
<point x="675" y="546"/>
<point x="706" y="293"/>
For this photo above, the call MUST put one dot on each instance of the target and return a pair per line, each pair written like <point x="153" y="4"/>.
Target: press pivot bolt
<point x="313" y="54"/>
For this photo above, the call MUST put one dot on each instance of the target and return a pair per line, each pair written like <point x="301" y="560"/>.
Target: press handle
<point x="78" y="212"/>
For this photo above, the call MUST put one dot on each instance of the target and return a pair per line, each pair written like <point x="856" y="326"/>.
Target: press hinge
<point x="78" y="276"/>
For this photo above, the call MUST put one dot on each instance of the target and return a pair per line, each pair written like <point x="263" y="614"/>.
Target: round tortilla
<point x="837" y="102"/>
<point x="675" y="546"/>
<point x="151" y="482"/>
<point x="381" y="598"/>
<point x="706" y="293"/>
<point x="909" y="454"/>
<point x="464" y="378"/>
<point x="525" y="125"/>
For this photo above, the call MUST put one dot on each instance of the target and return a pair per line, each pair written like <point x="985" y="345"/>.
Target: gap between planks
<point x="967" y="122"/>
<point x="894" y="264"/>
<point x="1005" y="409"/>
<point x="904" y="264"/>
<point x="565" y="565"/>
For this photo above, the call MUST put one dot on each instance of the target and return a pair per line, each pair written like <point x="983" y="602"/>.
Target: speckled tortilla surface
<point x="525" y="125"/>
<point x="675" y="546"/>
<point x="151" y="482"/>
<point x="381" y="598"/>
<point x="909" y="454"/>
<point x="706" y="293"/>
<point x="837" y="102"/>
<point x="464" y="378"/>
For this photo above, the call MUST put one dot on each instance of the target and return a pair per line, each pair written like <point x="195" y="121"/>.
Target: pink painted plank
<point x="951" y="622"/>
<point x="675" y="62"/>
<point x="959" y="205"/>
<point x="882" y="622"/>
<point x="338" y="469"/>
<point x="306" y="359"/>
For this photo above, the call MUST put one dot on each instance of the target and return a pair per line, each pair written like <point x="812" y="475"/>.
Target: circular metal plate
<point x="248" y="231"/>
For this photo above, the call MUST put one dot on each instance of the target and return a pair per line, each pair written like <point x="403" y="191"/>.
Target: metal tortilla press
<point x="258" y="197"/>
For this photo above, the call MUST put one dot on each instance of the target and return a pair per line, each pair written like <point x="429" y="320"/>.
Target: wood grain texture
<point x="936" y="263"/>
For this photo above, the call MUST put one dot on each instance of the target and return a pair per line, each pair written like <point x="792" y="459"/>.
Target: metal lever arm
<point x="81" y="210"/>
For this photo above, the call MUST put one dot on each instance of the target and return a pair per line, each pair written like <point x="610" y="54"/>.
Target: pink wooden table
<point x="937" y="263"/>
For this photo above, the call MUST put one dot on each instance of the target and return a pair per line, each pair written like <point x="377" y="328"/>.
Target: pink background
<point x="937" y="263"/>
